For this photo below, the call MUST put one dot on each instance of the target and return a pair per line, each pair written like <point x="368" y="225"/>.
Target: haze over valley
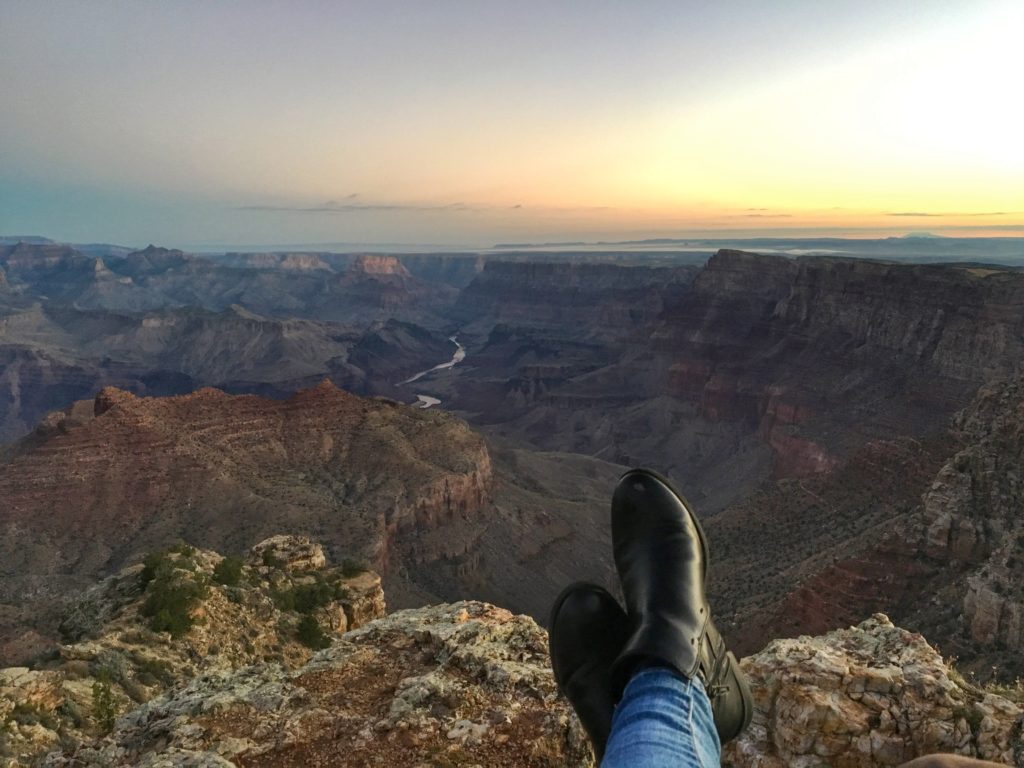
<point x="779" y="390"/>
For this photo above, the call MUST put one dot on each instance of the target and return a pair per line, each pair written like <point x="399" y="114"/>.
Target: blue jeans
<point x="663" y="721"/>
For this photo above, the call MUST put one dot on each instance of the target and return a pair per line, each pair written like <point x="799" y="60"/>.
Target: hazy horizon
<point x="470" y="124"/>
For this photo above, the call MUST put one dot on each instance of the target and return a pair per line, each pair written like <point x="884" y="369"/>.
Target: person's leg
<point x="948" y="761"/>
<point x="664" y="720"/>
<point x="661" y="556"/>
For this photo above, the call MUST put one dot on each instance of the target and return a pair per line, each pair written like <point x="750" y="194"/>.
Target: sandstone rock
<point x="112" y="644"/>
<point x="871" y="695"/>
<point x="972" y="523"/>
<point x="222" y="471"/>
<point x="293" y="553"/>
<point x="465" y="684"/>
<point x="379" y="265"/>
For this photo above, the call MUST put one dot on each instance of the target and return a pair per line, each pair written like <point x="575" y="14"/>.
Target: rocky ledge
<point x="265" y="674"/>
<point x="871" y="695"/>
<point x="451" y="685"/>
<point x="182" y="614"/>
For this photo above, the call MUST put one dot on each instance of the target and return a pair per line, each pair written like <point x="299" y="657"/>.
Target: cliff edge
<point x="286" y="661"/>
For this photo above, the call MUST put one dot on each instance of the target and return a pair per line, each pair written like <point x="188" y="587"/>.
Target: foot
<point x="587" y="632"/>
<point x="662" y="556"/>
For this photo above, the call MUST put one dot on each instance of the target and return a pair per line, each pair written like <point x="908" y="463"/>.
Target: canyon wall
<point x="926" y="530"/>
<point x="370" y="477"/>
<point x="755" y="366"/>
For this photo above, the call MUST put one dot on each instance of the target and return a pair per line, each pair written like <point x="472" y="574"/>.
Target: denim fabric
<point x="663" y="721"/>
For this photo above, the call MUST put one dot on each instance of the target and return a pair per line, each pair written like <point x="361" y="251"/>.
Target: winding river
<point x="427" y="401"/>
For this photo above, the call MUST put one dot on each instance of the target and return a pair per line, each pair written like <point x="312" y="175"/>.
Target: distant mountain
<point x="28" y="239"/>
<point x="52" y="355"/>
<point x="364" y="289"/>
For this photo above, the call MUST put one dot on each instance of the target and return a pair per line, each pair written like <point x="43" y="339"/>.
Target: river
<point x="427" y="401"/>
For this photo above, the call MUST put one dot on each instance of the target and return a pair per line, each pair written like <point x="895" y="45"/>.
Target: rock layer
<point x="871" y="695"/>
<point x="226" y="471"/>
<point x="113" y="659"/>
<point x="459" y="684"/>
<point x="928" y="531"/>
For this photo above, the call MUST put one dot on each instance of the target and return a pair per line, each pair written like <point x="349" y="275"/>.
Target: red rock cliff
<point x="368" y="477"/>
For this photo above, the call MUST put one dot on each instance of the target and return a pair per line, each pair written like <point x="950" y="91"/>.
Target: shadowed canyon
<point x="848" y="428"/>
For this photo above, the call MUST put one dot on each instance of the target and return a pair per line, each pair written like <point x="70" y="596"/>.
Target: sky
<point x="201" y="124"/>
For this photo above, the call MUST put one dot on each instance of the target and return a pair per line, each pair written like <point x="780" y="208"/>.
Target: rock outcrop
<point x="379" y="265"/>
<point x="971" y="525"/>
<point x="225" y="471"/>
<point x="872" y="695"/>
<point x="186" y="613"/>
<point x="459" y="684"/>
<point x="464" y="683"/>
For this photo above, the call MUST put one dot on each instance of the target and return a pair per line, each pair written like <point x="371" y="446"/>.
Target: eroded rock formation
<point x="120" y="651"/>
<point x="225" y="471"/>
<point x="465" y="683"/>
<point x="459" y="684"/>
<point x="929" y="531"/>
<point x="871" y="695"/>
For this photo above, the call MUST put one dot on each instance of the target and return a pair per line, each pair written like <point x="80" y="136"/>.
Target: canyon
<point x="845" y="426"/>
<point x="414" y="493"/>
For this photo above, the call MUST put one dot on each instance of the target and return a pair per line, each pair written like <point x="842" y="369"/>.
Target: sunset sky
<point x="227" y="123"/>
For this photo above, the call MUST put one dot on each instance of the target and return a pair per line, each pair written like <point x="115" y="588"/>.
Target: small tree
<point x="228" y="571"/>
<point x="171" y="593"/>
<point x="350" y="568"/>
<point x="103" y="709"/>
<point x="311" y="634"/>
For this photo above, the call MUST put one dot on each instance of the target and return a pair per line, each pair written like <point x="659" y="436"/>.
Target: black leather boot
<point x="587" y="630"/>
<point x="662" y="556"/>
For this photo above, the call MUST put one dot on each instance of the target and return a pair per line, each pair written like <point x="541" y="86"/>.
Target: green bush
<point x="153" y="671"/>
<point x="171" y="593"/>
<point x="103" y="710"/>
<point x="306" y="598"/>
<point x="155" y="563"/>
<point x="228" y="571"/>
<point x="350" y="568"/>
<point x="309" y="597"/>
<point x="311" y="635"/>
<point x="284" y="599"/>
<point x="271" y="560"/>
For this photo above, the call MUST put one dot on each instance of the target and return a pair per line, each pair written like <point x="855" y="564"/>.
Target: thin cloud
<point x="922" y="214"/>
<point x="350" y="204"/>
<point x="762" y="216"/>
<point x="333" y="206"/>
